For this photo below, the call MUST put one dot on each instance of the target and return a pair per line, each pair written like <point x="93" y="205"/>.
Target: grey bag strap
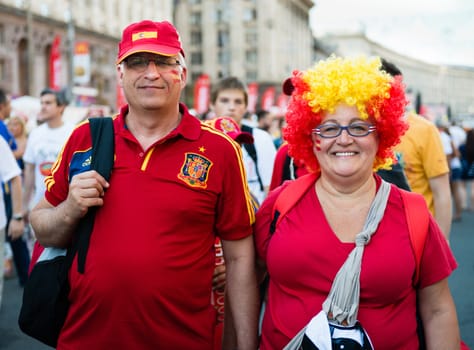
<point x="342" y="303"/>
<point x="343" y="298"/>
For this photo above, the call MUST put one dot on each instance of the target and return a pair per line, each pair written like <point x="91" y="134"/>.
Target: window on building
<point x="222" y="38"/>
<point x="196" y="38"/>
<point x="3" y="70"/>
<point x="195" y="18"/>
<point x="47" y="70"/>
<point x="196" y="58"/>
<point x="251" y="56"/>
<point x="250" y="14"/>
<point x="224" y="57"/>
<point x="107" y="88"/>
<point x="251" y="38"/>
<point x="23" y="78"/>
<point x="219" y="16"/>
<point x="2" y="34"/>
<point x="44" y="10"/>
<point x="251" y="75"/>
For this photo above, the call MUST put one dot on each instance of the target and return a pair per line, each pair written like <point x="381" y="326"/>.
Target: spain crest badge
<point x="195" y="170"/>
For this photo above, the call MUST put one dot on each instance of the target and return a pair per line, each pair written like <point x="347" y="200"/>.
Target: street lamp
<point x="71" y="47"/>
<point x="30" y="48"/>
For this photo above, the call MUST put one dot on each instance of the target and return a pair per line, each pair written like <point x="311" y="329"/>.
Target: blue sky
<point x="436" y="31"/>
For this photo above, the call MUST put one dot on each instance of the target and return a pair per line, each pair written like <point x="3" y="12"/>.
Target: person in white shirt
<point x="44" y="145"/>
<point x="9" y="171"/>
<point x="229" y="98"/>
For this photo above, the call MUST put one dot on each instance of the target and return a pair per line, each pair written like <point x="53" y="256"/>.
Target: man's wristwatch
<point x="17" y="217"/>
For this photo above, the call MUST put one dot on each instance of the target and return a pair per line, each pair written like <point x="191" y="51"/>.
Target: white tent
<point x="30" y="107"/>
<point x="27" y="106"/>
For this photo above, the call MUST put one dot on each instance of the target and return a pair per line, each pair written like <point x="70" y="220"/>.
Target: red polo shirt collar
<point x="189" y="127"/>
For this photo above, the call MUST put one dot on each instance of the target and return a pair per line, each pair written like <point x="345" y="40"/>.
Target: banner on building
<point x="82" y="63"/>
<point x="282" y="102"/>
<point x="202" y="93"/>
<point x="55" y="64"/>
<point x="268" y="98"/>
<point x="252" y="90"/>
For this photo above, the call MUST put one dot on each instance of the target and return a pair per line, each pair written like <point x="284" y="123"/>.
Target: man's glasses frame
<point x="141" y="63"/>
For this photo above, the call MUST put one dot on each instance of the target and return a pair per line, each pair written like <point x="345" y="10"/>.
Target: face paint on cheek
<point x="176" y="76"/>
<point x="317" y="145"/>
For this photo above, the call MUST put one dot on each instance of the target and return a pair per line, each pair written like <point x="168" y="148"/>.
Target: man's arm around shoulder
<point x="242" y="292"/>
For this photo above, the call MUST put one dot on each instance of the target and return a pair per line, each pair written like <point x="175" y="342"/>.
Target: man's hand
<point x="86" y="190"/>
<point x="218" y="278"/>
<point x="16" y="228"/>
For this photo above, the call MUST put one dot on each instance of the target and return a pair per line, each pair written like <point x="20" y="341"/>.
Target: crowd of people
<point x="187" y="250"/>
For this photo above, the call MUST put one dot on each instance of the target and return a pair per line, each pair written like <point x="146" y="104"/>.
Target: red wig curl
<point x="357" y="82"/>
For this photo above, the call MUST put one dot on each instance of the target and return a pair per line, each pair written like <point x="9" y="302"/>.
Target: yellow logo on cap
<point x="144" y="35"/>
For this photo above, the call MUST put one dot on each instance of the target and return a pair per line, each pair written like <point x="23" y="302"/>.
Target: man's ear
<point x="184" y="76"/>
<point x="120" y="74"/>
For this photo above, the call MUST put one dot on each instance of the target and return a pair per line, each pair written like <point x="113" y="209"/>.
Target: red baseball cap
<point x="160" y="38"/>
<point x="228" y="126"/>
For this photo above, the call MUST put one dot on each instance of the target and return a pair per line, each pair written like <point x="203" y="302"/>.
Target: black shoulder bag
<point x="45" y="297"/>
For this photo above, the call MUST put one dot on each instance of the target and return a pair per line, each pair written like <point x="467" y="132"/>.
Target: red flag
<point x="282" y="102"/>
<point x="252" y="89"/>
<point x="202" y="94"/>
<point x="268" y="99"/>
<point x="55" y="64"/>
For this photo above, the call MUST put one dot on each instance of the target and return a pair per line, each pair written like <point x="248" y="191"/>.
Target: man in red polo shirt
<point x="175" y="185"/>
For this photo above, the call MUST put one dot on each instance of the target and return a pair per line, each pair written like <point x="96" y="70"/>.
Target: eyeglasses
<point x="140" y="63"/>
<point x="356" y="129"/>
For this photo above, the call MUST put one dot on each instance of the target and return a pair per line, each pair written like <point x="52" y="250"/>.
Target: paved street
<point x="462" y="285"/>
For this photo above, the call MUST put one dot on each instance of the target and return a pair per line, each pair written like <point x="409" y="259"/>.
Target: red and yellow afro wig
<point x="358" y="82"/>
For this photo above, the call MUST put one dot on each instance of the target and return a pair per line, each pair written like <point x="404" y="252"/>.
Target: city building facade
<point x="259" y="41"/>
<point x="441" y="87"/>
<point x="262" y="40"/>
<point x="29" y="31"/>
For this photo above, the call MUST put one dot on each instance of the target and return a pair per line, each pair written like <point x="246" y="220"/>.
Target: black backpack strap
<point x="102" y="160"/>
<point x="287" y="169"/>
<point x="102" y="132"/>
<point x="275" y="217"/>
<point x="252" y="151"/>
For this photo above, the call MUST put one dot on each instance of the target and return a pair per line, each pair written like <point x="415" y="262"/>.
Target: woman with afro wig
<point x="341" y="254"/>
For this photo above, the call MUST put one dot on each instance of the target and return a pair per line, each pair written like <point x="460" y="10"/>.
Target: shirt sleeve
<point x="8" y="166"/>
<point x="434" y="158"/>
<point x="57" y="184"/>
<point x="235" y="207"/>
<point x="437" y="261"/>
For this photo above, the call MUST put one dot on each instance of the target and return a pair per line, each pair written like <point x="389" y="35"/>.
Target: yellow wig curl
<point x="357" y="82"/>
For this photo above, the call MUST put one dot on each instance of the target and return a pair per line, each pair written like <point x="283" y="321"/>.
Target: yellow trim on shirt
<point x="244" y="184"/>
